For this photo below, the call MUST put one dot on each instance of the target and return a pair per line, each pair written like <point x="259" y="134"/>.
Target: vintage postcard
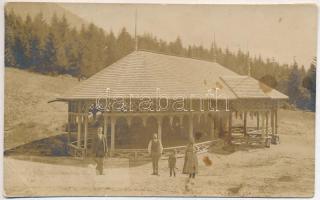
<point x="187" y="100"/>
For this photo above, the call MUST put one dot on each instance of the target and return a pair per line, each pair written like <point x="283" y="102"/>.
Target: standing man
<point x="100" y="150"/>
<point x="155" y="150"/>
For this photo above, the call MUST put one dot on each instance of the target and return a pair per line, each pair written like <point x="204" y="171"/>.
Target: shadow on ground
<point x="53" y="150"/>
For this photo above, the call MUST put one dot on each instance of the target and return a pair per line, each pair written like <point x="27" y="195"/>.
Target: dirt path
<point x="282" y="170"/>
<point x="285" y="170"/>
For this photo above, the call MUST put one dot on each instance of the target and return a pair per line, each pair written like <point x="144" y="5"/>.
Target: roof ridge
<point x="179" y="56"/>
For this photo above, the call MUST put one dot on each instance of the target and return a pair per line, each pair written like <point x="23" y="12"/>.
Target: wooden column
<point x="69" y="129"/>
<point x="79" y="130"/>
<point x="69" y="121"/>
<point x="212" y="127"/>
<point x="267" y="121"/>
<point x="258" y="120"/>
<point x="159" y="122"/>
<point x="85" y="132"/>
<point x="229" y="138"/>
<point x="276" y="121"/>
<point x="191" y="126"/>
<point x="245" y="123"/>
<point x="272" y="122"/>
<point x="105" y="127"/>
<point x="79" y="117"/>
<point x="113" y="131"/>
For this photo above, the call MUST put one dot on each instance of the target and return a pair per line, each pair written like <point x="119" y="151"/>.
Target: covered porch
<point x="128" y="134"/>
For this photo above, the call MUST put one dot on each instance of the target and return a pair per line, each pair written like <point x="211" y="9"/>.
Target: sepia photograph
<point x="165" y="100"/>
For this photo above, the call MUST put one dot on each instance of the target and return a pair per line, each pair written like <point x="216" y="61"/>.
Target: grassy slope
<point x="28" y="115"/>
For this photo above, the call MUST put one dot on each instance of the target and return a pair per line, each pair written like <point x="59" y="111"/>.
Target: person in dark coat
<point x="172" y="163"/>
<point x="155" y="150"/>
<point x="190" y="161"/>
<point x="100" y="149"/>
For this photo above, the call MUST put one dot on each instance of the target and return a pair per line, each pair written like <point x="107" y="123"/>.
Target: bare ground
<point x="285" y="170"/>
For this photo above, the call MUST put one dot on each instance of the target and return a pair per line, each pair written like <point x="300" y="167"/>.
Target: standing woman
<point x="190" y="160"/>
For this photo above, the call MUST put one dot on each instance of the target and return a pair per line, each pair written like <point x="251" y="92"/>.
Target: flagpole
<point x="135" y="30"/>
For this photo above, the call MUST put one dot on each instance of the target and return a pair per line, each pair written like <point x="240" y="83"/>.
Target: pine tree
<point x="125" y="43"/>
<point x="176" y="47"/>
<point x="294" y="84"/>
<point x="309" y="82"/>
<point x="9" y="40"/>
<point x="50" y="55"/>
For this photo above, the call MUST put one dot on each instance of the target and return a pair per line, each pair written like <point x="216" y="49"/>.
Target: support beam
<point x="275" y="137"/>
<point x="258" y="120"/>
<point x="245" y="123"/>
<point x="267" y="121"/>
<point x="191" y="126"/>
<point x="69" y="123"/>
<point x="212" y="127"/>
<point x="113" y="132"/>
<point x="105" y="127"/>
<point x="79" y="119"/>
<point x="229" y="138"/>
<point x="85" y="131"/>
<point x="276" y="121"/>
<point x="272" y="122"/>
<point x="69" y="129"/>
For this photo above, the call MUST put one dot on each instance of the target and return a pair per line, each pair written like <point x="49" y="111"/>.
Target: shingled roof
<point x="142" y="72"/>
<point x="248" y="87"/>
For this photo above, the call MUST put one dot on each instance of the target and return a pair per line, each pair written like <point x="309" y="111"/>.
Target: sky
<point x="283" y="32"/>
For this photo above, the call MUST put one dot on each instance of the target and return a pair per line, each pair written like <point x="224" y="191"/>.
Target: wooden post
<point x="159" y="122"/>
<point x="212" y="127"/>
<point x="69" y="129"/>
<point x="245" y="123"/>
<point x="230" y="128"/>
<point x="79" y="124"/>
<point x="267" y="143"/>
<point x="191" y="126"/>
<point x="105" y="127"/>
<point x="85" y="132"/>
<point x="267" y="121"/>
<point x="275" y="137"/>
<point x="258" y="120"/>
<point x="272" y="122"/>
<point x="113" y="131"/>
<point x="79" y="130"/>
<point x="69" y="121"/>
<point x="276" y="121"/>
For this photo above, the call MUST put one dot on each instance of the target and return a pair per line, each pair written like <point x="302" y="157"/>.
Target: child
<point x="172" y="163"/>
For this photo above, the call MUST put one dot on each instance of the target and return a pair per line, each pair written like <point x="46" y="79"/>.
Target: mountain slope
<point x="27" y="114"/>
<point x="47" y="9"/>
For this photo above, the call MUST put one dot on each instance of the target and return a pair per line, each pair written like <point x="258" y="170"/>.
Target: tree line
<point x="56" y="47"/>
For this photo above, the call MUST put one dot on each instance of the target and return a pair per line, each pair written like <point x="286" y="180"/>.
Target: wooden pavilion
<point x="176" y="97"/>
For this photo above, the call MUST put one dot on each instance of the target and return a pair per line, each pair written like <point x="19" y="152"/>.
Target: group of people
<point x="190" y="165"/>
<point x="155" y="148"/>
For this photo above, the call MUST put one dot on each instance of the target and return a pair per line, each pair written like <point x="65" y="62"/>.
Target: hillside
<point x="28" y="115"/>
<point x="47" y="9"/>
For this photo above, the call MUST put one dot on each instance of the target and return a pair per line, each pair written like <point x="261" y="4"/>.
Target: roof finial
<point x="135" y="30"/>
